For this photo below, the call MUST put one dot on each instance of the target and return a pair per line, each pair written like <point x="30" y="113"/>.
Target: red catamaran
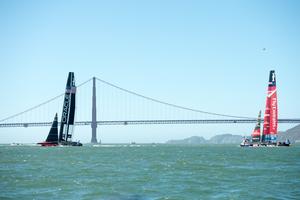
<point x="269" y="135"/>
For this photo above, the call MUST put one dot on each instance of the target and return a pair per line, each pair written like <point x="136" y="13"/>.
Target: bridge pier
<point x="94" y="114"/>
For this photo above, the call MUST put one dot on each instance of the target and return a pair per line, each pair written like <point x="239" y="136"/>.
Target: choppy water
<point x="149" y="172"/>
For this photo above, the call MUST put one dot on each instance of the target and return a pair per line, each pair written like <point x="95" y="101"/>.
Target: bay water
<point x="146" y="172"/>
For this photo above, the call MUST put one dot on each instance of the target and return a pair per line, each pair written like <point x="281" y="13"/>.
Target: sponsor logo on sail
<point x="274" y="115"/>
<point x="65" y="109"/>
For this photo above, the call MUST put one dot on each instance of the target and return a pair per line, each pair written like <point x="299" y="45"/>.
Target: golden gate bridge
<point x="114" y="105"/>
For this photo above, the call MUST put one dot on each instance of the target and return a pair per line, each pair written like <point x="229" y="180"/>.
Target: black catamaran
<point x="67" y="118"/>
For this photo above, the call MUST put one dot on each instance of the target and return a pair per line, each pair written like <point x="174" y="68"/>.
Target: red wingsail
<point x="271" y="112"/>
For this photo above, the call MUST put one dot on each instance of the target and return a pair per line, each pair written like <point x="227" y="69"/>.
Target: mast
<point x="256" y="132"/>
<point x="68" y="112"/>
<point x="271" y="112"/>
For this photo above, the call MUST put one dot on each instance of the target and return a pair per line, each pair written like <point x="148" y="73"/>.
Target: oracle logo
<point x="65" y="109"/>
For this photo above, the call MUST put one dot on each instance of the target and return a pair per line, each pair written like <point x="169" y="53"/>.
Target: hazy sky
<point x="208" y="55"/>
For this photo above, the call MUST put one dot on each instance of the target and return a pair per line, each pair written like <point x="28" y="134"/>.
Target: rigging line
<point x="85" y="82"/>
<point x="41" y="104"/>
<point x="170" y="104"/>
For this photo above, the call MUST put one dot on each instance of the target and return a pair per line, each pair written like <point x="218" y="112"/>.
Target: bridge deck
<point x="148" y="122"/>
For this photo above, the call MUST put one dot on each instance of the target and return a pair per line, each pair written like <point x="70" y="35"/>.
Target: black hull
<point x="245" y="145"/>
<point x="266" y="145"/>
<point x="74" y="144"/>
<point x="278" y="144"/>
<point x="283" y="145"/>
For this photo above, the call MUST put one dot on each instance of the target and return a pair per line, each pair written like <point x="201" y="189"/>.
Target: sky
<point x="208" y="55"/>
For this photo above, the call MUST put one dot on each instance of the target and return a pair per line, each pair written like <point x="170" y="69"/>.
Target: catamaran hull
<point x="245" y="145"/>
<point x="283" y="145"/>
<point x="74" y="144"/>
<point x="265" y="145"/>
<point x="48" y="144"/>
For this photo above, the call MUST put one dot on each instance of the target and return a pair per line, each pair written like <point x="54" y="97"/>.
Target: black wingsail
<point x="53" y="133"/>
<point x="68" y="112"/>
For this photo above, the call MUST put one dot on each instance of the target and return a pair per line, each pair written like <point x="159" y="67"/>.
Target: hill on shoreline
<point x="292" y="134"/>
<point x="218" y="139"/>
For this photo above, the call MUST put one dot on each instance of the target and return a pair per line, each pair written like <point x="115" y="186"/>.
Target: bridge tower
<point x="94" y="114"/>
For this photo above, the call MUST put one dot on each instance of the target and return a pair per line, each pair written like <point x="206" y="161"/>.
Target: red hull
<point x="48" y="144"/>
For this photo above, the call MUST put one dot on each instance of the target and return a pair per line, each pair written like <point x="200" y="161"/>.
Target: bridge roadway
<point x="148" y="122"/>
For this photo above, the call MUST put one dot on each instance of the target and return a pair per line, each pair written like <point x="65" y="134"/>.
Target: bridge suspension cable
<point x="132" y="93"/>
<point x="41" y="104"/>
<point x="170" y="104"/>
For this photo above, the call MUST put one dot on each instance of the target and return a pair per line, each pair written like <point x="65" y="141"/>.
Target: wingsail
<point x="68" y="111"/>
<point x="256" y="132"/>
<point x="271" y="112"/>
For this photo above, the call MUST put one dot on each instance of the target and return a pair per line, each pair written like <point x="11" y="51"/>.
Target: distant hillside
<point x="218" y="139"/>
<point x="292" y="134"/>
<point x="226" y="139"/>
<point x="190" y="140"/>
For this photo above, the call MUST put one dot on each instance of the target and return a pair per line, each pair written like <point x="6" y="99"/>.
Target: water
<point x="145" y="172"/>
